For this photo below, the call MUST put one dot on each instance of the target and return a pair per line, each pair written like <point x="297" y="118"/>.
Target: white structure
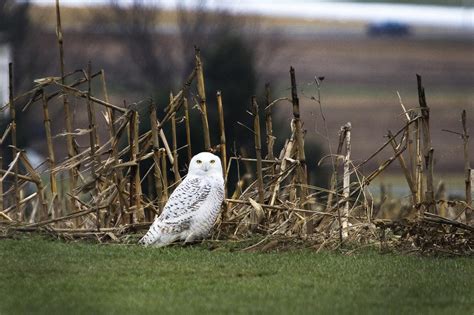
<point x="5" y="58"/>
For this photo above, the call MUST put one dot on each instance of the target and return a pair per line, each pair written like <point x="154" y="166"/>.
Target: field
<point x="362" y="75"/>
<point x="350" y="252"/>
<point x="52" y="277"/>
<point x="361" y="86"/>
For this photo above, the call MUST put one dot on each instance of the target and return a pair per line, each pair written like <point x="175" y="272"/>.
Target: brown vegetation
<point x="97" y="189"/>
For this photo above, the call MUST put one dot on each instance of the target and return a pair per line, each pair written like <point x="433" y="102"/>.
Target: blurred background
<point x="352" y="56"/>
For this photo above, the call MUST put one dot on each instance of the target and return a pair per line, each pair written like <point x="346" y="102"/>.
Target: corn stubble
<point x="99" y="191"/>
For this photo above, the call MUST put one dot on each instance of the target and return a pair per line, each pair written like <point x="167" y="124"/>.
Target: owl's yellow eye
<point x="213" y="161"/>
<point x="198" y="161"/>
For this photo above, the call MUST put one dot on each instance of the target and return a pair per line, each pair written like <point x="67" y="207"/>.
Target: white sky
<point x="454" y="17"/>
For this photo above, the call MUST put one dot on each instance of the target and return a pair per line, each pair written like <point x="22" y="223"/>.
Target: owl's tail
<point x="156" y="237"/>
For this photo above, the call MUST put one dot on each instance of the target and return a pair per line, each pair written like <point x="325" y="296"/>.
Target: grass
<point x="42" y="276"/>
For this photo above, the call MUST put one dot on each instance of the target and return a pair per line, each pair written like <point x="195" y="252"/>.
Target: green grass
<point x="51" y="277"/>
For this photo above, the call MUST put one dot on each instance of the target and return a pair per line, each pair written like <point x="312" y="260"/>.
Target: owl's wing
<point x="178" y="212"/>
<point x="186" y="199"/>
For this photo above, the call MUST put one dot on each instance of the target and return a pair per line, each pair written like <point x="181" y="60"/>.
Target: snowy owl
<point x="193" y="206"/>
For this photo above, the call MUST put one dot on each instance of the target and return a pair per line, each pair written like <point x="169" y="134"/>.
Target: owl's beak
<point x="206" y="167"/>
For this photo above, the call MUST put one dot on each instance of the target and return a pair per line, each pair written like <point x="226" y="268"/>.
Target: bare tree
<point x="137" y="24"/>
<point x="30" y="61"/>
<point x="208" y="29"/>
<point x="26" y="40"/>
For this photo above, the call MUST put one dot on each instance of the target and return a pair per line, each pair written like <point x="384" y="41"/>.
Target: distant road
<point x="420" y="15"/>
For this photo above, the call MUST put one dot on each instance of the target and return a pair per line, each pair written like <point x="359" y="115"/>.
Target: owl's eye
<point x="198" y="161"/>
<point x="213" y="161"/>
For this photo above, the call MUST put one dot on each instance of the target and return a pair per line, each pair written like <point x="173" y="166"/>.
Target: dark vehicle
<point x="389" y="28"/>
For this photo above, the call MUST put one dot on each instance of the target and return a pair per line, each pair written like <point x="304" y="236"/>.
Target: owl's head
<point x="205" y="163"/>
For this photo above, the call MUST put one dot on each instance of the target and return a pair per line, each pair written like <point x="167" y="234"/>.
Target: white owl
<point x="193" y="206"/>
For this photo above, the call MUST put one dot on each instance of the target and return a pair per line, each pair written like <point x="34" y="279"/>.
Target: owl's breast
<point x="209" y="210"/>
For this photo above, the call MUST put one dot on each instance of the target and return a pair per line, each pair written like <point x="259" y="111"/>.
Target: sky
<point x="425" y="15"/>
